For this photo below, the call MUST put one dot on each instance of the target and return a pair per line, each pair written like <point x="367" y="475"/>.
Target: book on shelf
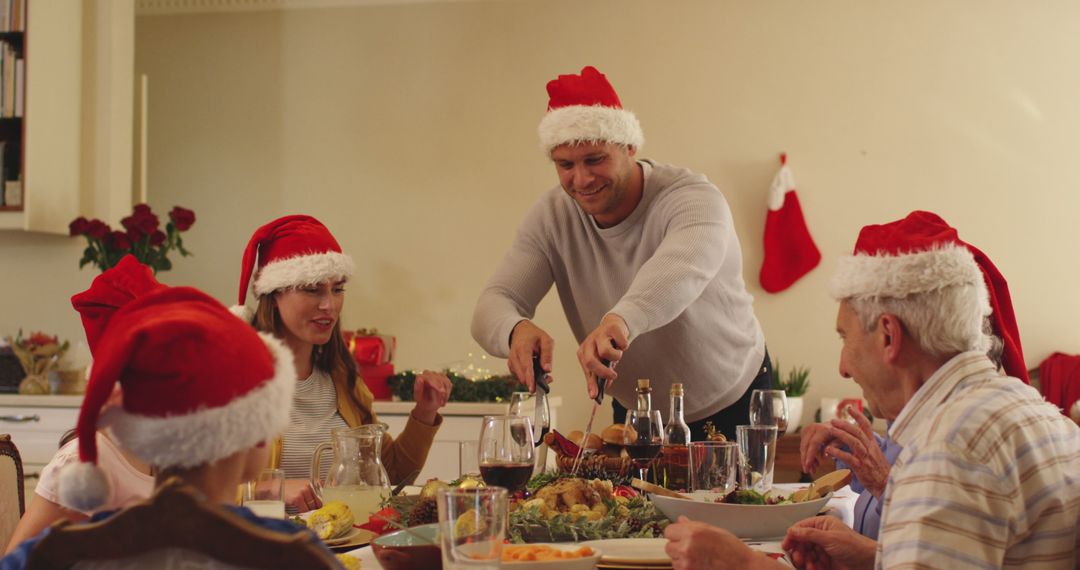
<point x="12" y="15"/>
<point x="9" y="82"/>
<point x="20" y="86"/>
<point x="13" y="193"/>
<point x="19" y="16"/>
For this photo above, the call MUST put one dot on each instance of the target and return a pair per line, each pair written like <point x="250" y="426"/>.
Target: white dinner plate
<point x="631" y="551"/>
<point x="348" y="536"/>
<point x="586" y="563"/>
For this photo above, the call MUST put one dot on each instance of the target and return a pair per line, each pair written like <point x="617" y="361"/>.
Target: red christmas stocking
<point x="790" y="252"/>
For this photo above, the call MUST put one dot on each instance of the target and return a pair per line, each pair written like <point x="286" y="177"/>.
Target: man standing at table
<point x="642" y="254"/>
<point x="989" y="475"/>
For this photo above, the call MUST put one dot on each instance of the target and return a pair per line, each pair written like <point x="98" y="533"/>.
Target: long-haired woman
<point x="292" y="284"/>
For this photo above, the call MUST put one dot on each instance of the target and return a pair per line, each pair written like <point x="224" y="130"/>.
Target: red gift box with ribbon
<point x="374" y="355"/>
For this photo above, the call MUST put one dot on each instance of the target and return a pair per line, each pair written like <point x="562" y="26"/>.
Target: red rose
<point x="182" y="218"/>
<point x="78" y="226"/>
<point x="97" y="229"/>
<point x="119" y="240"/>
<point x="141" y="223"/>
<point x="42" y="339"/>
<point x="157" y="238"/>
<point x="142" y="209"/>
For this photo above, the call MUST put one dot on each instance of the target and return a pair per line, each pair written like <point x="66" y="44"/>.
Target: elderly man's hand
<point x="526" y="340"/>
<point x="812" y="444"/>
<point x="698" y="546"/>
<point x="826" y="543"/>
<point x="606" y="342"/>
<point x="863" y="456"/>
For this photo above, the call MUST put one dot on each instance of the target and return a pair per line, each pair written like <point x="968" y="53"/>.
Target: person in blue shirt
<point x="203" y="393"/>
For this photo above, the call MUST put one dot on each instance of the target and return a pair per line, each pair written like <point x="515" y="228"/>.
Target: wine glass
<point x="517" y="403"/>
<point x="769" y="408"/>
<point x="506" y="453"/>
<point x="643" y="438"/>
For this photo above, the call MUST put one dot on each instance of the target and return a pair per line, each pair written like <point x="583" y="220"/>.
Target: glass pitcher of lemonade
<point x="356" y="476"/>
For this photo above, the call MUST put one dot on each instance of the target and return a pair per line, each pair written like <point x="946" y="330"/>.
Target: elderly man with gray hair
<point x="989" y="475"/>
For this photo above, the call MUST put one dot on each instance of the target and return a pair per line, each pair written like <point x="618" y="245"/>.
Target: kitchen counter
<point x="37" y="422"/>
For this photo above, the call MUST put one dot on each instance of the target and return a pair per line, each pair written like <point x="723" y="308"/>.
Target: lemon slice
<point x="468" y="524"/>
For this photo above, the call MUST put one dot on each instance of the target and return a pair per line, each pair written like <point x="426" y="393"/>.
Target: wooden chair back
<point x="176" y="523"/>
<point x="12" y="492"/>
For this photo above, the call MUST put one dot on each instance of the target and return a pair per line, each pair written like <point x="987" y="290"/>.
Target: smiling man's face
<point x="599" y="177"/>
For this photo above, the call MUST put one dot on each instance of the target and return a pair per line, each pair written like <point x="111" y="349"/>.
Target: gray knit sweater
<point x="672" y="270"/>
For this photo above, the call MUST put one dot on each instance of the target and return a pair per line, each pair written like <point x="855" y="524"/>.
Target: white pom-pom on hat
<point x="245" y="312"/>
<point x="83" y="487"/>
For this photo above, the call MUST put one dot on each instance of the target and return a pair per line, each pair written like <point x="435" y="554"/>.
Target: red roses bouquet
<point x="143" y="238"/>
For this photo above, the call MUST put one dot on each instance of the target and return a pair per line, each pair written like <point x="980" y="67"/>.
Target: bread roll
<point x="593" y="442"/>
<point x="614" y="434"/>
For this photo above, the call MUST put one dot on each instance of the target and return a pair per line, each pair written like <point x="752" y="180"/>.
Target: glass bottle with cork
<point x="676" y="455"/>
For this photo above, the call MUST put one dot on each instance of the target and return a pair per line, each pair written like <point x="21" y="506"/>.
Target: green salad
<point x="752" y="497"/>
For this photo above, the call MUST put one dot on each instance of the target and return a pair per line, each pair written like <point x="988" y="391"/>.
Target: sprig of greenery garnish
<point x="643" y="520"/>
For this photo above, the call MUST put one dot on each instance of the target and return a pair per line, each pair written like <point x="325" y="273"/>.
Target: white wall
<point x="410" y="131"/>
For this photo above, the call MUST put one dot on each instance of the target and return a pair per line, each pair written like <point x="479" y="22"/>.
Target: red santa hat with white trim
<point x="585" y="108"/>
<point x="922" y="253"/>
<point x="114" y="288"/>
<point x="198" y="385"/>
<point x="291" y="251"/>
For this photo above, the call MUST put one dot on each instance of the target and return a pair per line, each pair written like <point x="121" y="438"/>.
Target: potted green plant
<point x="794" y="386"/>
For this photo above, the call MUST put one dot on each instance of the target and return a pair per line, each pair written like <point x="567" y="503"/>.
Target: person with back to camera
<point x="292" y="285"/>
<point x="130" y="478"/>
<point x="203" y="394"/>
<point x="646" y="262"/>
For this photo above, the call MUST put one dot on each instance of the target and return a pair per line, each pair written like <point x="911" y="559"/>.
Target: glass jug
<point x="356" y="476"/>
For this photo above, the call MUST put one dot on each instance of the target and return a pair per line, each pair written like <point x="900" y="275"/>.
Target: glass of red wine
<point x="506" y="453"/>
<point x="643" y="439"/>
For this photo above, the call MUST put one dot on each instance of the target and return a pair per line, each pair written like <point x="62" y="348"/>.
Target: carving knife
<point x="600" y="388"/>
<point x="542" y="414"/>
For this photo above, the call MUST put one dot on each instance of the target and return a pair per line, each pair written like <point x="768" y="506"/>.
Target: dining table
<point x="841" y="505"/>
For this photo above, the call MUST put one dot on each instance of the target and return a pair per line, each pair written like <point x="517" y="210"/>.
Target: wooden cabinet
<point x="79" y="114"/>
<point x="36" y="424"/>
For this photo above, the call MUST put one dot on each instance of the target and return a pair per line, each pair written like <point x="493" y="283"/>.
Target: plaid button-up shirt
<point x="989" y="476"/>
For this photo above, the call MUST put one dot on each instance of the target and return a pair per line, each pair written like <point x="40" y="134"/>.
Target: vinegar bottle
<point x="676" y="439"/>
